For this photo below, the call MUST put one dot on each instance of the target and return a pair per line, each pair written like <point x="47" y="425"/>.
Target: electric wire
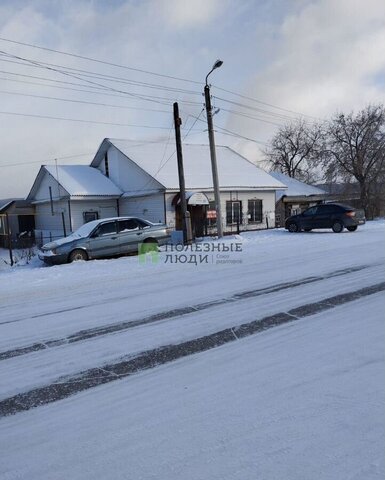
<point x="83" y="57"/>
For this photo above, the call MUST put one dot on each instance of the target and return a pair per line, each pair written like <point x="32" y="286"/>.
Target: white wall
<point x="268" y="208"/>
<point x="126" y="174"/>
<point x="149" y="208"/>
<point x="105" y="208"/>
<point x="42" y="193"/>
<point x="51" y="226"/>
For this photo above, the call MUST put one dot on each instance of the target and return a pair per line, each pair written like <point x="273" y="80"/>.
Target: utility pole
<point x="213" y="156"/>
<point x="186" y="221"/>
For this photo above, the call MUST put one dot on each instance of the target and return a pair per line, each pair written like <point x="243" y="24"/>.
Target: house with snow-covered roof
<point x="67" y="196"/>
<point x="295" y="198"/>
<point x="148" y="176"/>
<point x="141" y="180"/>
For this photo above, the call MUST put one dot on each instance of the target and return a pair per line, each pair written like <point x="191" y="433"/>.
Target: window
<point x="128" y="225"/>
<point x="90" y="216"/>
<point x="326" y="209"/>
<point x="255" y="211"/>
<point x="310" y="211"/>
<point x="142" y="223"/>
<point x="233" y="212"/>
<point x="108" y="228"/>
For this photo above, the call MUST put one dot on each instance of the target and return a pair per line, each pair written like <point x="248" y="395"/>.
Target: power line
<point x="251" y="117"/>
<point x="237" y="135"/>
<point x="103" y="76"/>
<point x="83" y="57"/>
<point x="255" y="109"/>
<point x="234" y="134"/>
<point x="265" y="103"/>
<point x="81" y="79"/>
<point x="97" y="90"/>
<point x="136" y="143"/>
<point x="42" y="162"/>
<point x="83" y="120"/>
<point x="85" y="102"/>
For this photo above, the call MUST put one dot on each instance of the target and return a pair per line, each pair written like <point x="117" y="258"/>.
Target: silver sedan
<point x="107" y="237"/>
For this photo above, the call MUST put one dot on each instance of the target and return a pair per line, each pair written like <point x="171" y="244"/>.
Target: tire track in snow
<point x="68" y="386"/>
<point x="122" y="326"/>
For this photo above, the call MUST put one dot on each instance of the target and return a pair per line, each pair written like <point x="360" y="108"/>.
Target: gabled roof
<point x="78" y="181"/>
<point x="295" y="188"/>
<point x="160" y="162"/>
<point x="5" y="204"/>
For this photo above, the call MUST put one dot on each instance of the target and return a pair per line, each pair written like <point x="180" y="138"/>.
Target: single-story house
<point x="67" y="196"/>
<point x="296" y="198"/>
<point x="128" y="179"/>
<point x="21" y="222"/>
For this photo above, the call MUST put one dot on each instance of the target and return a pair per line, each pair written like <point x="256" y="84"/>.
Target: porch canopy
<point x="192" y="198"/>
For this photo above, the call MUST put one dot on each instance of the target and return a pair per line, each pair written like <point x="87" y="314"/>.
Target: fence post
<point x="9" y="239"/>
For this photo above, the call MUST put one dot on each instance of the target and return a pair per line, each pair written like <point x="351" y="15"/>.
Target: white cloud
<point x="327" y="58"/>
<point x="185" y="14"/>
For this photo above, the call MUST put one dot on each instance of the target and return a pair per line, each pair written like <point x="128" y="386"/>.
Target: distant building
<point x="20" y="215"/>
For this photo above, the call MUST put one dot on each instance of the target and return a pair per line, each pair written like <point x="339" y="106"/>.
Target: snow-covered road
<point x="47" y="304"/>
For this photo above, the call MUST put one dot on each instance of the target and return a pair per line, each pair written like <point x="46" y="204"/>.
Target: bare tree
<point x="294" y="149"/>
<point x="355" y="150"/>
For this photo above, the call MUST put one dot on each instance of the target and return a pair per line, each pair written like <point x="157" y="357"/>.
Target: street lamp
<point x="213" y="156"/>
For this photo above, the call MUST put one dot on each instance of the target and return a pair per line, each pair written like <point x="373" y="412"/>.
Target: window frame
<point x="94" y="233"/>
<point x="96" y="214"/>
<point x="253" y="219"/>
<point x="233" y="216"/>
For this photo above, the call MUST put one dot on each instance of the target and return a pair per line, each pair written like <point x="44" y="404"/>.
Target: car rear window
<point x="128" y="225"/>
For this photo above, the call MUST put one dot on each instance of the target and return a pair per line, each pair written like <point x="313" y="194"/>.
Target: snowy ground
<point x="303" y="400"/>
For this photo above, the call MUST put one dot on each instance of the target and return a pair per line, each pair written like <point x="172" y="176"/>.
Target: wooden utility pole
<point x="186" y="220"/>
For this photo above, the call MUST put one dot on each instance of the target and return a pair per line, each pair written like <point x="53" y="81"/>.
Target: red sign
<point x="211" y="214"/>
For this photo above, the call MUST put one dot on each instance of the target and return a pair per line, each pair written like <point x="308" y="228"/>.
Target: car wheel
<point x="78" y="255"/>
<point x="337" y="227"/>
<point x="149" y="245"/>
<point x="353" y="228"/>
<point x="292" y="227"/>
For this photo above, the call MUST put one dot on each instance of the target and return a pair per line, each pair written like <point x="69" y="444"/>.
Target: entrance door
<point x="197" y="213"/>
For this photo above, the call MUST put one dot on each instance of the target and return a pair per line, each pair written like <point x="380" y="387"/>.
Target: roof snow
<point x="159" y="161"/>
<point x="82" y="180"/>
<point x="295" y="188"/>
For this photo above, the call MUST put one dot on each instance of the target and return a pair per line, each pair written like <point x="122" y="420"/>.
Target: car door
<point x="307" y="218"/>
<point x="322" y="217"/>
<point x="104" y="241"/>
<point x="130" y="235"/>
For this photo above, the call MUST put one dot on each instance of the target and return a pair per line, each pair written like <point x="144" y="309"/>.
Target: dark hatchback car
<point x="328" y="215"/>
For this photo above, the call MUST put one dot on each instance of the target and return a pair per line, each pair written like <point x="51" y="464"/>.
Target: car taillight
<point x="350" y="214"/>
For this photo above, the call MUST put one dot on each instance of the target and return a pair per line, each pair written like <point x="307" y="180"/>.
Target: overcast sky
<point x="285" y="57"/>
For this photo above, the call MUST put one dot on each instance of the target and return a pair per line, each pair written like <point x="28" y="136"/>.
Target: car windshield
<point x="85" y="229"/>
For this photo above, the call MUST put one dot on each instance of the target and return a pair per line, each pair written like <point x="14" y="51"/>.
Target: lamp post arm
<point x="207" y="76"/>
